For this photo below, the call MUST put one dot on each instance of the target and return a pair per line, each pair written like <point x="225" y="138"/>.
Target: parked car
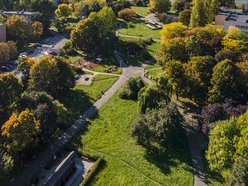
<point x="5" y="69"/>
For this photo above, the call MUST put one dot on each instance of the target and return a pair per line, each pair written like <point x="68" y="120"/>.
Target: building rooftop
<point x="25" y="13"/>
<point x="237" y="17"/>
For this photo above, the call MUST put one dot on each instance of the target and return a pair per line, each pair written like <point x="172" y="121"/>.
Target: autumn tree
<point x="19" y="131"/>
<point x="127" y="14"/>
<point x="24" y="67"/>
<point x="160" y="6"/>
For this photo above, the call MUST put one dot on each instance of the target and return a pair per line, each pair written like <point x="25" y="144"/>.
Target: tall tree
<point x="10" y="90"/>
<point x="198" y="17"/>
<point x="160" y="6"/>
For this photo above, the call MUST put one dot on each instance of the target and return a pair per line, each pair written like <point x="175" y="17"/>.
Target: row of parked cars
<point x="9" y="66"/>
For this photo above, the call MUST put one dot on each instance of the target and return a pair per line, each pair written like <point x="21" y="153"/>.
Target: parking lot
<point x="49" y="46"/>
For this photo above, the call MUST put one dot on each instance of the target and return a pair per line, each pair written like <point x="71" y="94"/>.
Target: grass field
<point x="83" y="96"/>
<point x="144" y="11"/>
<point x="126" y="163"/>
<point x="141" y="30"/>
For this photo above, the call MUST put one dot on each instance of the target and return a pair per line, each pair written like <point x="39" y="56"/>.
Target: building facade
<point x="2" y="32"/>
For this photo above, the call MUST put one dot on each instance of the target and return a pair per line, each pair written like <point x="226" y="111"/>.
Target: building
<point x="225" y="20"/>
<point x="243" y="2"/>
<point x="2" y="32"/>
<point x="27" y="15"/>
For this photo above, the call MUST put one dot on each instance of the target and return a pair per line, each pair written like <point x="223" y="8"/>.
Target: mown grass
<point x="139" y="29"/>
<point x="127" y="163"/>
<point x="144" y="11"/>
<point x="83" y="96"/>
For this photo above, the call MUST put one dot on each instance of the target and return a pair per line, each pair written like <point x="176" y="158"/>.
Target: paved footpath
<point x="34" y="168"/>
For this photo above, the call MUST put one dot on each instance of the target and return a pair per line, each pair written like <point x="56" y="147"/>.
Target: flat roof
<point x="17" y="13"/>
<point x="238" y="18"/>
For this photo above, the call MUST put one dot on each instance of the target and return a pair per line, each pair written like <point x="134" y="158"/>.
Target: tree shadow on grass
<point x="172" y="155"/>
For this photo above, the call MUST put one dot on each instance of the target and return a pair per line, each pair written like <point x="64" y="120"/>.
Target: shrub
<point x="132" y="88"/>
<point x="127" y="14"/>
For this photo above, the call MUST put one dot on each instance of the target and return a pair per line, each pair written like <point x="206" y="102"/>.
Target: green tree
<point x="184" y="17"/>
<point x="221" y="148"/>
<point x="160" y="6"/>
<point x="150" y="97"/>
<point x="63" y="10"/>
<point x="10" y="90"/>
<point x="170" y="51"/>
<point x="175" y="74"/>
<point x="199" y="72"/>
<point x="6" y="163"/>
<point x="194" y="47"/>
<point x="226" y="82"/>
<point x="198" y="17"/>
<point x="85" y="36"/>
<point x="19" y="131"/>
<point x="52" y="75"/>
<point x="159" y="125"/>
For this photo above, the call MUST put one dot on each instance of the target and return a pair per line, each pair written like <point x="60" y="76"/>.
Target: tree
<point x="173" y="49"/>
<point x="17" y="29"/>
<point x="19" y="131"/>
<point x="221" y="111"/>
<point x="36" y="30"/>
<point x="45" y="110"/>
<point x="160" y="6"/>
<point x="184" y="17"/>
<point x="199" y="72"/>
<point x="211" y="9"/>
<point x="180" y="5"/>
<point x="226" y="82"/>
<point x="221" y="148"/>
<point x="8" y="51"/>
<point x="159" y="125"/>
<point x="10" y="90"/>
<point x="175" y="74"/>
<point x="198" y="17"/>
<point x="132" y="88"/>
<point x="239" y="172"/>
<point x="24" y="67"/>
<point x="91" y="34"/>
<point x="127" y="14"/>
<point x="53" y="76"/>
<point x="6" y="163"/>
<point x="150" y="97"/>
<point x="235" y="40"/>
<point x="63" y="10"/>
<point x="194" y="47"/>
<point x="172" y="30"/>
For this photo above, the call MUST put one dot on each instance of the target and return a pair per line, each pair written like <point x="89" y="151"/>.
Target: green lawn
<point x="139" y="29"/>
<point x="126" y="163"/>
<point x="82" y="96"/>
<point x="136" y="60"/>
<point x="144" y="11"/>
